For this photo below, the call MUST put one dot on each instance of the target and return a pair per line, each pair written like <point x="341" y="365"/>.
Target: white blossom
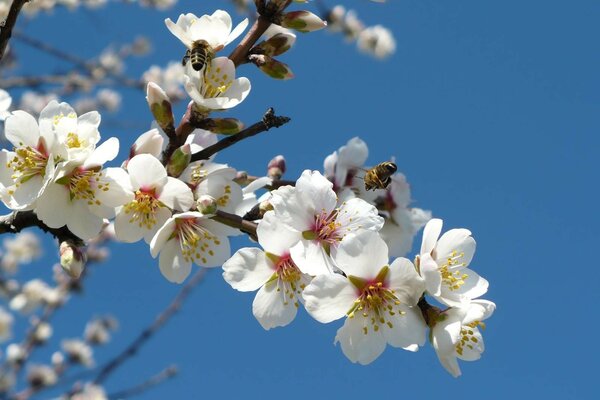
<point x="90" y="392"/>
<point x="214" y="29"/>
<point x="33" y="294"/>
<point x="216" y="87"/>
<point x="310" y="210"/>
<point x="376" y="297"/>
<point x="39" y="375"/>
<point x="153" y="196"/>
<point x="378" y="41"/>
<point x="23" y="248"/>
<point x="78" y="352"/>
<point x="443" y="262"/>
<point x="187" y="238"/>
<point x="455" y="334"/>
<point x="272" y="272"/>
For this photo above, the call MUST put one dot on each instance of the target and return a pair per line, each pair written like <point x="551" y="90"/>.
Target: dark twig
<point x="19" y="220"/>
<point x="270" y="120"/>
<point x="240" y="53"/>
<point x="157" y="379"/>
<point x="147" y="333"/>
<point x="9" y="23"/>
<point x="235" y="221"/>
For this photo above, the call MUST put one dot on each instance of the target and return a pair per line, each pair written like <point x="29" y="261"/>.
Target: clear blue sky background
<point x="492" y="110"/>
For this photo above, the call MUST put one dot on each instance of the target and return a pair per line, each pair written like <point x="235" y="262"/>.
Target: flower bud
<point x="275" y="69"/>
<point x="179" y="160"/>
<point x="302" y="21"/>
<point x="15" y="354"/>
<point x="43" y="332"/>
<point x="160" y="106"/>
<point x="276" y="44"/>
<point x="276" y="167"/>
<point x="206" y="204"/>
<point x="72" y="259"/>
<point x="150" y="142"/>
<point x="224" y="126"/>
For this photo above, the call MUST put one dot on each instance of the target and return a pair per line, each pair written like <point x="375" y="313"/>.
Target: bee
<point x="199" y="55"/>
<point x="380" y="176"/>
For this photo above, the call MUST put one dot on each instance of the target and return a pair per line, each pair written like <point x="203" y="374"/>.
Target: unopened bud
<point x="224" y="126"/>
<point x="206" y="204"/>
<point x="302" y="21"/>
<point x="160" y="106"/>
<point x="42" y="332"/>
<point x="72" y="259"/>
<point x="276" y="167"/>
<point x="276" y="44"/>
<point x="270" y="66"/>
<point x="150" y="142"/>
<point x="179" y="160"/>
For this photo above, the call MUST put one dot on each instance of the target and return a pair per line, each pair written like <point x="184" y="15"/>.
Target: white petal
<point x="248" y="269"/>
<point x="179" y="32"/>
<point x="458" y="240"/>
<point x="430" y="235"/>
<point x="119" y="187"/>
<point x="126" y="231"/>
<point x="162" y="236"/>
<point x="82" y="222"/>
<point x="241" y="27"/>
<point x="146" y="172"/>
<point x="406" y="283"/>
<point x="479" y="310"/>
<point x="329" y="297"/>
<point x="429" y="271"/>
<point x="162" y="216"/>
<point x="358" y="346"/>
<point x="54" y="207"/>
<point x="272" y="308"/>
<point x="275" y="237"/>
<point x="311" y="258"/>
<point x="316" y="191"/>
<point x="176" y="195"/>
<point x="172" y="264"/>
<point x="474" y="286"/>
<point x="21" y="129"/>
<point x="356" y="215"/>
<point x="472" y="351"/>
<point x="408" y="329"/>
<point x="107" y="151"/>
<point x="362" y="255"/>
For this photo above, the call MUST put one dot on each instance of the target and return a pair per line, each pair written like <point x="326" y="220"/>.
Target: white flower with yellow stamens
<point x="82" y="194"/>
<point x="443" y="262"/>
<point x="310" y="209"/>
<point x="376" y="298"/>
<point x="29" y="166"/>
<point x="272" y="272"/>
<point x="154" y="196"/>
<point x="186" y="238"/>
<point x="216" y="88"/>
<point x="215" y="29"/>
<point x="455" y="334"/>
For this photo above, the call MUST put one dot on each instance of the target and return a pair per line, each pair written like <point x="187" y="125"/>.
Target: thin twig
<point x="270" y="120"/>
<point x="240" y="53"/>
<point x="236" y="221"/>
<point x="9" y="24"/>
<point x="147" y="333"/>
<point x="157" y="379"/>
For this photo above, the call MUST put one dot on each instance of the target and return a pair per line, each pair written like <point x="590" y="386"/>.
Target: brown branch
<point x="240" y="53"/>
<point x="19" y="220"/>
<point x="9" y="24"/>
<point x="235" y="221"/>
<point x="157" y="379"/>
<point x="270" y="120"/>
<point x="147" y="333"/>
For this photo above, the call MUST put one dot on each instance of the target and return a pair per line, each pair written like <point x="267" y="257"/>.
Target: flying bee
<point x="380" y="176"/>
<point x="199" y="55"/>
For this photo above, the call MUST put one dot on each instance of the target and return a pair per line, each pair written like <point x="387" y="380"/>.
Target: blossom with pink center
<point x="154" y="196"/>
<point x="310" y="210"/>
<point x="186" y="238"/>
<point x="272" y="272"/>
<point x="342" y="166"/>
<point x="376" y="297"/>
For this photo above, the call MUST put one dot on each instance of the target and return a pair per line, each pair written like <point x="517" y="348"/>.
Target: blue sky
<point x="491" y="110"/>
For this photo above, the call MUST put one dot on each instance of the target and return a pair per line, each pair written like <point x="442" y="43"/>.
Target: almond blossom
<point x="215" y="29"/>
<point x="187" y="238"/>
<point x="272" y="272"/>
<point x="341" y="166"/>
<point x="82" y="194"/>
<point x="154" y="196"/>
<point x="310" y="209"/>
<point x="455" y="334"/>
<point x="375" y="297"/>
<point x="216" y="88"/>
<point x="443" y="262"/>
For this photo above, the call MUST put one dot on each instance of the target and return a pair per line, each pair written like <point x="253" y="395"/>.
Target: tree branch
<point x="19" y="220"/>
<point x="270" y="120"/>
<point x="9" y="24"/>
<point x="147" y="333"/>
<point x="157" y="379"/>
<point x="235" y="221"/>
<point x="240" y="53"/>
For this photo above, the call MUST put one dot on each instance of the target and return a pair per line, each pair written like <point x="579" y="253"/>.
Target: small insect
<point x="199" y="55"/>
<point x="380" y="176"/>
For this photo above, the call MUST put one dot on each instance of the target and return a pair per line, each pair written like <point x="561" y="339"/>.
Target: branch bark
<point x="9" y="24"/>
<point x="16" y="221"/>
<point x="270" y="120"/>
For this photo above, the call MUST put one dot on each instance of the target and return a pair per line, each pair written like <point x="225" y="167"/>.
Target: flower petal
<point x="358" y="346"/>
<point x="146" y="172"/>
<point x="329" y="297"/>
<point x="248" y="269"/>
<point x="176" y="195"/>
<point x="272" y="308"/>
<point x="430" y="235"/>
<point x="172" y="263"/>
